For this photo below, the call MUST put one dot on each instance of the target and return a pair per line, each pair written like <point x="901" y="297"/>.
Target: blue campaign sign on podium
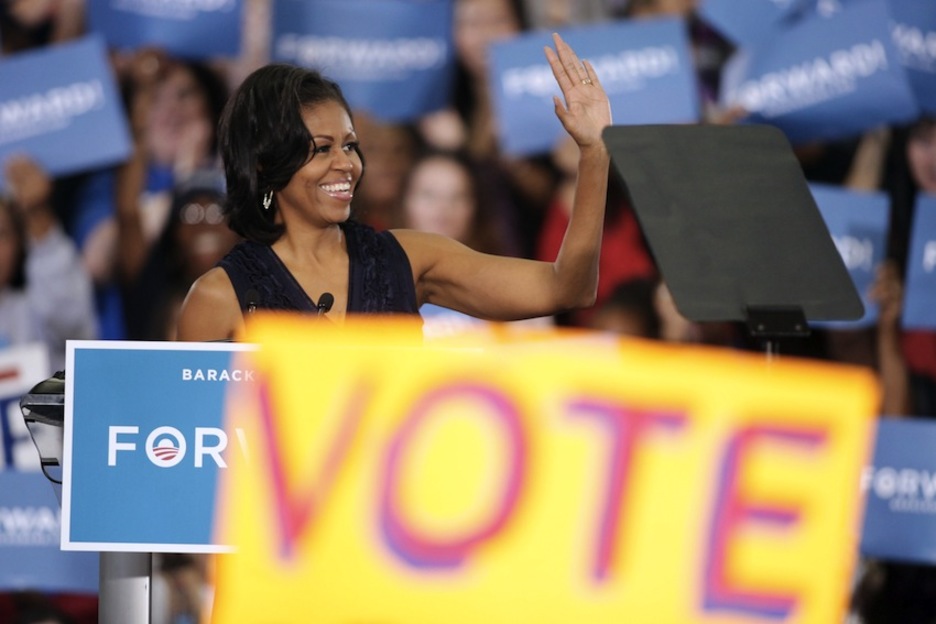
<point x="144" y="443"/>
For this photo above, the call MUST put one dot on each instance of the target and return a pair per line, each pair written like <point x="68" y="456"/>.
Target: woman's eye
<point x="321" y="149"/>
<point x="351" y="147"/>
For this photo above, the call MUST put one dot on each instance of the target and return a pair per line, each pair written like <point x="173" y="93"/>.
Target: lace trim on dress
<point x="380" y="279"/>
<point x="371" y="255"/>
<point x="251" y="266"/>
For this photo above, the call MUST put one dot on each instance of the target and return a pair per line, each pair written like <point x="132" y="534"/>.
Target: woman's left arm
<point x="496" y="287"/>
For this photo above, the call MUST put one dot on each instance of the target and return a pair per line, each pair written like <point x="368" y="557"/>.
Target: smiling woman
<point x="293" y="163"/>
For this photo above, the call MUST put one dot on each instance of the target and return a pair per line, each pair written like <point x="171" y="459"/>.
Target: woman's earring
<point x="267" y="200"/>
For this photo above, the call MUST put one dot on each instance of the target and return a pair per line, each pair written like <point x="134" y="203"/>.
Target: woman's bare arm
<point x="450" y="274"/>
<point x="210" y="310"/>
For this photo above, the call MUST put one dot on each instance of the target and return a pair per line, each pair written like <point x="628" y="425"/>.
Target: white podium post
<point x="126" y="583"/>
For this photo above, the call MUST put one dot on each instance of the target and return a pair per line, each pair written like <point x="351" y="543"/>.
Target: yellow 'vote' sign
<point x="550" y="478"/>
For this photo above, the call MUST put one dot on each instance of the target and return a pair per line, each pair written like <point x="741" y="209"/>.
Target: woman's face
<point x="9" y="245"/>
<point x="478" y="24"/>
<point x="180" y="124"/>
<point x="921" y="153"/>
<point x="439" y="199"/>
<point x="320" y="192"/>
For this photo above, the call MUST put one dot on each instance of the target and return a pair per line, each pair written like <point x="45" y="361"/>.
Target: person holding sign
<point x="292" y="164"/>
<point x="46" y="294"/>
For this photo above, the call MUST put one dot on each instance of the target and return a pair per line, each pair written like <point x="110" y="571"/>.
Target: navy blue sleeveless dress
<point x="380" y="279"/>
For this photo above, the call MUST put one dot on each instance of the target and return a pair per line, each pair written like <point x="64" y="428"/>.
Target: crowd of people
<point x="146" y="228"/>
<point x="113" y="253"/>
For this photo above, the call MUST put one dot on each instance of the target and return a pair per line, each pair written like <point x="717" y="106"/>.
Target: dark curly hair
<point x="264" y="141"/>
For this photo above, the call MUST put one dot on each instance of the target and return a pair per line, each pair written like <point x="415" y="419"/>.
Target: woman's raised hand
<point x="586" y="110"/>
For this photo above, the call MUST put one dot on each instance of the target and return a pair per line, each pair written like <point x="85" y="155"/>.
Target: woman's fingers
<point x="559" y="71"/>
<point x="566" y="65"/>
<point x="569" y="64"/>
<point x="585" y="111"/>
<point x="570" y="60"/>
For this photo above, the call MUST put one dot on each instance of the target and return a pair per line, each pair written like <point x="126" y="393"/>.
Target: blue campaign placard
<point x="397" y="64"/>
<point x="919" y="311"/>
<point x="914" y="31"/>
<point x="196" y="29"/>
<point x="645" y="67"/>
<point x="858" y="223"/>
<point x="825" y="77"/>
<point x="900" y="493"/>
<point x="60" y="105"/>
<point x="144" y="444"/>
<point x="750" y="22"/>
<point x="30" y="530"/>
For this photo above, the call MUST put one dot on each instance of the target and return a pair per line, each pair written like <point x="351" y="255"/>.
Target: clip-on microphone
<point x="325" y="303"/>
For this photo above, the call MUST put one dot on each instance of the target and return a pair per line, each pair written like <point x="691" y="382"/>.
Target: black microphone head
<point x="325" y="302"/>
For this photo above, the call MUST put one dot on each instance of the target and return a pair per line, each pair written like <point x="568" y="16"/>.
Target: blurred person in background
<point x="194" y="240"/>
<point x="674" y="327"/>
<point x="256" y="30"/>
<point x="552" y="14"/>
<point x="45" y="294"/>
<point x="29" y="607"/>
<point x="644" y="307"/>
<point x="181" y="588"/>
<point x="878" y="347"/>
<point x="902" y="162"/>
<point x="709" y="49"/>
<point x="174" y="107"/>
<point x="27" y="24"/>
<point x="892" y="592"/>
<point x="82" y="201"/>
<point x="909" y="172"/>
<point x="443" y="194"/>
<point x="629" y="310"/>
<point x="624" y="254"/>
<point x="478" y="24"/>
<point x="526" y="183"/>
<point x="391" y="149"/>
